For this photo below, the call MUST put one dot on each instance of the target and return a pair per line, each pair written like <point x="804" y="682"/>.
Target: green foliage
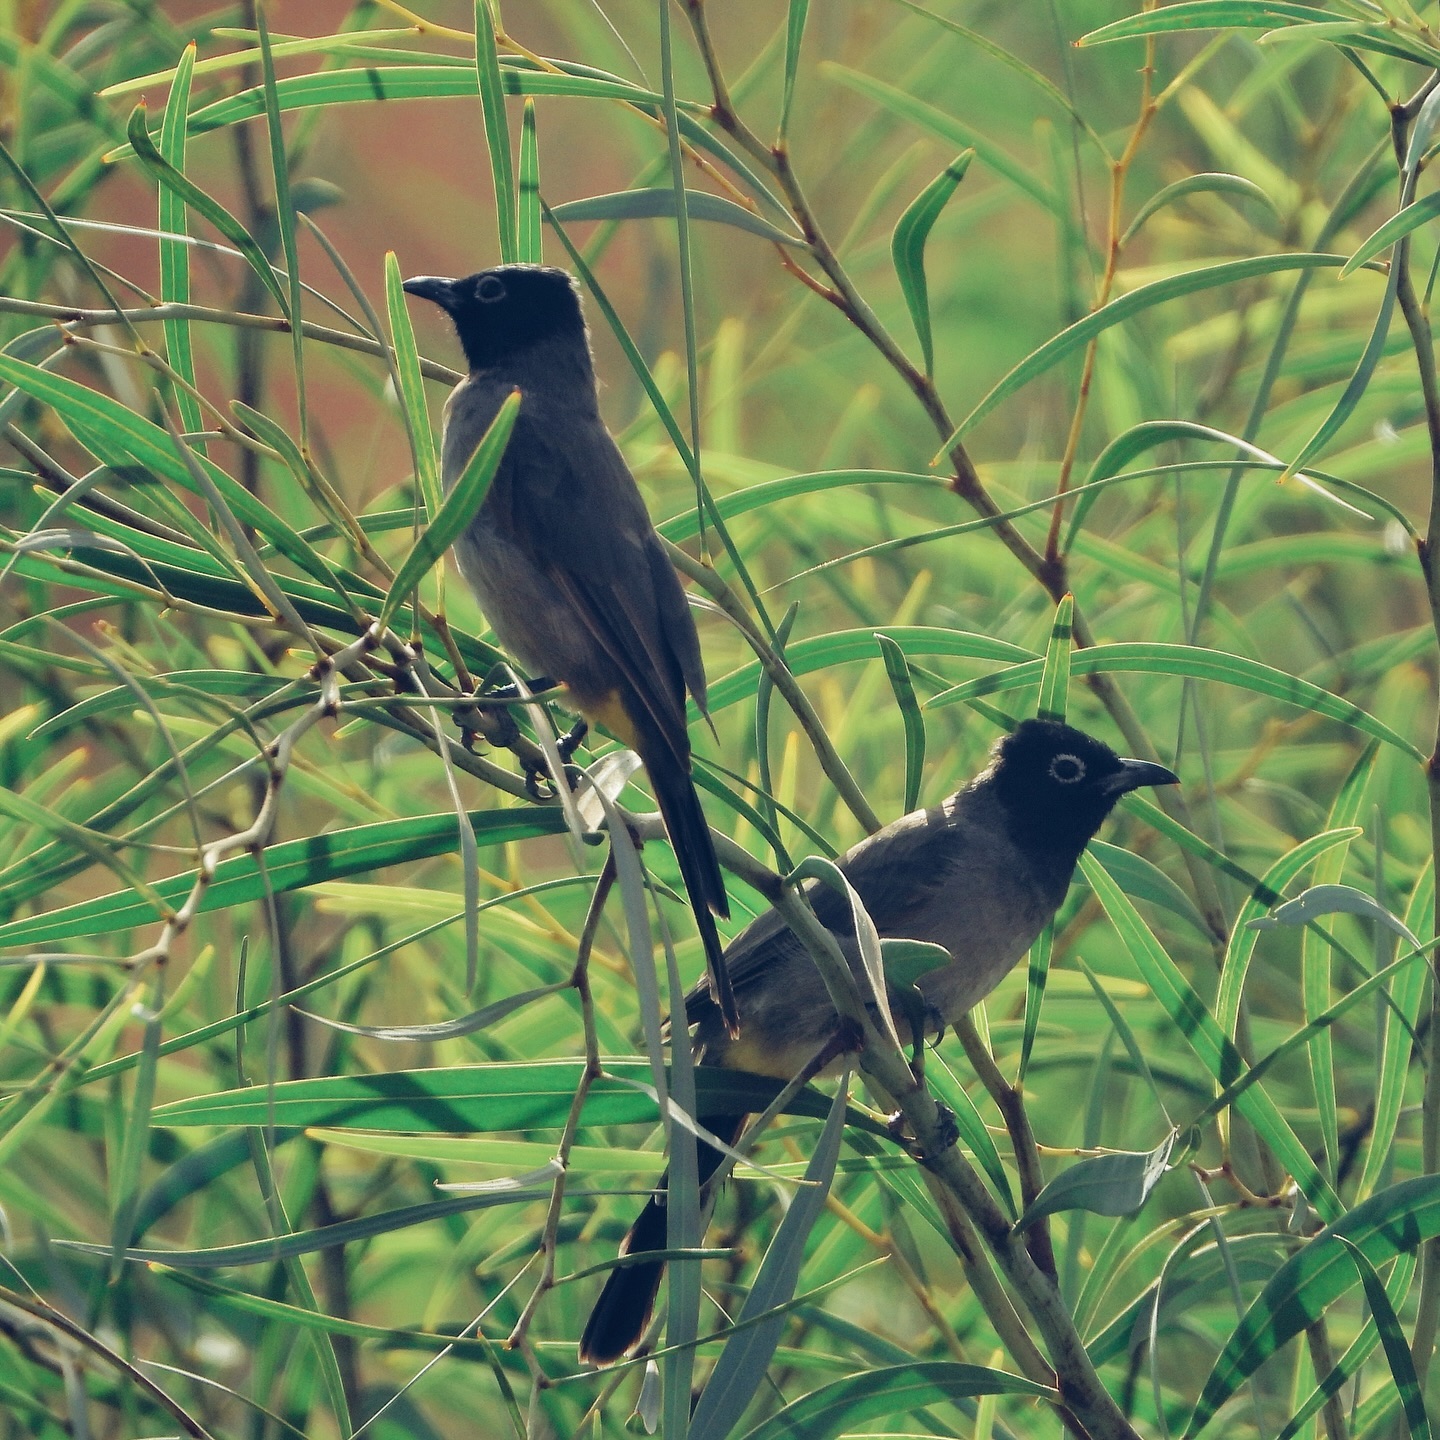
<point x="1174" y="481"/>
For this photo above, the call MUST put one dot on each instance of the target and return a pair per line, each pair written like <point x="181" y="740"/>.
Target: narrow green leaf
<point x="794" y="38"/>
<point x="1402" y="1271"/>
<point x="410" y="388"/>
<point x="288" y="866"/>
<point x="1272" y="885"/>
<point x="897" y="670"/>
<point x="1117" y="1184"/>
<point x="659" y="203"/>
<point x="907" y="247"/>
<point x="1078" y="335"/>
<point x="284" y="219"/>
<point x="458" y="510"/>
<point x="202" y="204"/>
<point x="530" y="235"/>
<point x="1037" y="975"/>
<point x="1208" y="183"/>
<point x="1396" y="1041"/>
<point x="497" y="130"/>
<point x="1143" y="880"/>
<point x="1412" y="217"/>
<point x="1333" y="900"/>
<point x="1055" y="676"/>
<point x="1199" y="663"/>
<point x="1208" y="15"/>
<point x="845" y="1405"/>
<point x="323" y="1237"/>
<point x="1392" y="1337"/>
<point x="175" y="254"/>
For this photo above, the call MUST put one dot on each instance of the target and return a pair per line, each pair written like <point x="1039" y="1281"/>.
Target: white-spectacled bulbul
<point x="562" y="555"/>
<point x="982" y="874"/>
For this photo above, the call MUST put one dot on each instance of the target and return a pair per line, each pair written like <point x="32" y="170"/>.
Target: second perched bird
<point x="562" y="555"/>
<point x="982" y="874"/>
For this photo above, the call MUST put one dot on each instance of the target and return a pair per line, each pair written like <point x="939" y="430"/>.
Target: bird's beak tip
<point x="1138" y="773"/>
<point x="435" y="288"/>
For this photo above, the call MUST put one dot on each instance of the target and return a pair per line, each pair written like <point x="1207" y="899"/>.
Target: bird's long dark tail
<point x="694" y="849"/>
<point x="623" y="1309"/>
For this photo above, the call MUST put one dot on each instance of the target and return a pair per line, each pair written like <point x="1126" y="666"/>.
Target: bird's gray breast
<point x="954" y="876"/>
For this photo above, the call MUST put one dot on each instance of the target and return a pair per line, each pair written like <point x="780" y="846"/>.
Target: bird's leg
<point x="570" y="741"/>
<point x="949" y="1135"/>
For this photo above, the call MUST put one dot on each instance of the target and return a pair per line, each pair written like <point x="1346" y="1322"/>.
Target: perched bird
<point x="562" y="555"/>
<point x="982" y="873"/>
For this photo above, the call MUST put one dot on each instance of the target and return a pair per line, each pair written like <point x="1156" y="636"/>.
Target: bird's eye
<point x="1067" y="769"/>
<point x="490" y="289"/>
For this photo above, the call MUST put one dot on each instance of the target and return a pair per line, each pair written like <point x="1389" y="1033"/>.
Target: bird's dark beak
<point x="1133" y="774"/>
<point x="434" y="288"/>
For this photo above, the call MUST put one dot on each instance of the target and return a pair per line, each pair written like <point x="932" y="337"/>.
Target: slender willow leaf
<point x="202" y="204"/>
<point x="659" y="203"/>
<point x="1078" y="335"/>
<point x="524" y="1095"/>
<point x="818" y="652"/>
<point x="497" y="130"/>
<point x="794" y="38"/>
<point x="1208" y="15"/>
<point x="288" y="866"/>
<point x="175" y="253"/>
<point x="1396" y="1041"/>
<point x="1412" y="217"/>
<point x="284" y="218"/>
<point x="1055" y="676"/>
<point x="897" y="670"/>
<point x="889" y="1393"/>
<point x="1144" y="657"/>
<point x="907" y="247"/>
<point x="411" y="388"/>
<point x="530" y="230"/>
<point x="1208" y="183"/>
<point x="1102" y="1184"/>
<point x="465" y="497"/>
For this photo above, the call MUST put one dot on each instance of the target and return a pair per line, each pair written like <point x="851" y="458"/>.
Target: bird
<point x="562" y="555"/>
<point x="980" y="874"/>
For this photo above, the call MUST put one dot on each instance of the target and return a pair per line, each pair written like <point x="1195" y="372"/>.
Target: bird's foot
<point x="571" y="740"/>
<point x="949" y="1134"/>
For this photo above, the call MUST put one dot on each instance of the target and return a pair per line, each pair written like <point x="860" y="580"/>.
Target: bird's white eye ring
<point x="1067" y="769"/>
<point x="490" y="289"/>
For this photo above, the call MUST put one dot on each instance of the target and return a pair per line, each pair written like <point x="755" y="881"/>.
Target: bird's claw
<point x="570" y="741"/>
<point x="949" y="1134"/>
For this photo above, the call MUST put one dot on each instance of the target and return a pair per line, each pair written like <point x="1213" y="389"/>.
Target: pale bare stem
<point x="1011" y="1105"/>
<point x="549" y="1240"/>
<point x="1322" y="1359"/>
<point x="784" y="681"/>
<point x="1119" y="170"/>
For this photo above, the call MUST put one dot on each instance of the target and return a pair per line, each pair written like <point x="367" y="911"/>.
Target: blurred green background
<point x="146" y="666"/>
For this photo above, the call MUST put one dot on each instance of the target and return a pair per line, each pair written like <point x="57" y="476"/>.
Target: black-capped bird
<point x="982" y="874"/>
<point x="562" y="555"/>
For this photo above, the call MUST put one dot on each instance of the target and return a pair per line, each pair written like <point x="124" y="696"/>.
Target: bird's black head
<point x="501" y="312"/>
<point x="1058" y="784"/>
